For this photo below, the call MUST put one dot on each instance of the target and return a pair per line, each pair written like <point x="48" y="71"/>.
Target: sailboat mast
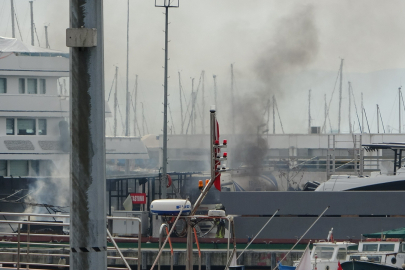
<point x="309" y="111"/>
<point x="127" y="132"/>
<point x="378" y="119"/>
<point x="362" y="114"/>
<point x="115" y="101"/>
<point x="12" y="19"/>
<point x="274" y="115"/>
<point x="340" y="93"/>
<point x="135" y="105"/>
<point x="203" y="103"/>
<point x="181" y="106"/>
<point x="232" y="101"/>
<point x="350" y="108"/>
<point x="32" y="23"/>
<point x="325" y="113"/>
<point x="215" y="91"/>
<point x="399" y="108"/>
<point x="46" y="37"/>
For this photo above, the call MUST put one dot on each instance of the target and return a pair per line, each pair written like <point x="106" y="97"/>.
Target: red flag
<point x="339" y="266"/>
<point x="217" y="181"/>
<point x="331" y="237"/>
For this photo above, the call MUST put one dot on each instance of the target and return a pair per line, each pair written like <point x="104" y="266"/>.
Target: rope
<point x="302" y="236"/>
<point x="258" y="233"/>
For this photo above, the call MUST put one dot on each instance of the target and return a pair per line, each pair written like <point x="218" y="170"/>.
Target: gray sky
<point x="210" y="35"/>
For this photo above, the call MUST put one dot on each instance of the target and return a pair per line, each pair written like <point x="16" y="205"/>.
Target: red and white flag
<point x="339" y="266"/>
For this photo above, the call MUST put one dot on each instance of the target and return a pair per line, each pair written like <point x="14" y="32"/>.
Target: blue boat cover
<point x="285" y="267"/>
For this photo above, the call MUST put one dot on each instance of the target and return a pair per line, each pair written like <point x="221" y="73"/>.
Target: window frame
<point x="5" y="84"/>
<point x="27" y="134"/>
<point x="46" y="126"/>
<point x="13" y="126"/>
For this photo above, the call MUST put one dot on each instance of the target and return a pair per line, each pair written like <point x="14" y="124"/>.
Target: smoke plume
<point x="293" y="46"/>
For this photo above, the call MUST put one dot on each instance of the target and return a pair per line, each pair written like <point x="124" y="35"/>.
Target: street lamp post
<point x="166" y="4"/>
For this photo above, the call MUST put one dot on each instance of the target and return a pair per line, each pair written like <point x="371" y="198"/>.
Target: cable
<point x="381" y="120"/>
<point x="327" y="112"/>
<point x="355" y="106"/>
<point x="365" y="114"/>
<point x="35" y="29"/>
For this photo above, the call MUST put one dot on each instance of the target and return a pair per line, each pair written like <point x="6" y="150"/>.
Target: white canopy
<point x="15" y="45"/>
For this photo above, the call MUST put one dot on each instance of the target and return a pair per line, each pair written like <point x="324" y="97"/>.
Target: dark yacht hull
<point x="360" y="265"/>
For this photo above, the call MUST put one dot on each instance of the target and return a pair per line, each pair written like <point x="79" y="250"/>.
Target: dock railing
<point x="18" y="252"/>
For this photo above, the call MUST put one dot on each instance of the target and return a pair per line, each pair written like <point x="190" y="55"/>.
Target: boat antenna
<point x="32" y="23"/>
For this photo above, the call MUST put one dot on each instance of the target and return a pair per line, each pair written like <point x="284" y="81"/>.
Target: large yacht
<point x="34" y="112"/>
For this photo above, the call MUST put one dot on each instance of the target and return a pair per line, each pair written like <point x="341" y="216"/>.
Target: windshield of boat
<point x="342" y="252"/>
<point x="387" y="247"/>
<point x="324" y="252"/>
<point x="370" y="247"/>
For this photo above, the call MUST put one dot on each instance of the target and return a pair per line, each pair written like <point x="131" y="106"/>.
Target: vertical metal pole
<point x="32" y="23"/>
<point x="232" y="101"/>
<point x="325" y="114"/>
<point x="340" y="93"/>
<point x="399" y="108"/>
<point x="215" y="91"/>
<point x="181" y="106"/>
<point x="328" y="159"/>
<point x="127" y="90"/>
<point x="163" y="183"/>
<point x="362" y="114"/>
<point x="378" y="120"/>
<point x="355" y="154"/>
<point x="28" y="242"/>
<point x="87" y="158"/>
<point x="46" y="37"/>
<point x="334" y="155"/>
<point x="309" y="111"/>
<point x="18" y="245"/>
<point x="115" y="101"/>
<point x="135" y="104"/>
<point x="203" y="103"/>
<point x="12" y="19"/>
<point x="189" y="258"/>
<point x="361" y="155"/>
<point x="350" y="108"/>
<point x="274" y="115"/>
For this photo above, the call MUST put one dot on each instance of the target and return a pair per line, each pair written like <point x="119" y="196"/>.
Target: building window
<point x="41" y="126"/>
<point x="19" y="167"/>
<point x="21" y="86"/>
<point x="3" y="85"/>
<point x="42" y="86"/>
<point x="26" y="126"/>
<point x="32" y="86"/>
<point x="3" y="167"/>
<point x="10" y="126"/>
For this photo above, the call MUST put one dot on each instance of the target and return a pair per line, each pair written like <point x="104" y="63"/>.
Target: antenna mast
<point x="12" y="19"/>
<point x="362" y="114"/>
<point x="326" y="109"/>
<point x="32" y="23"/>
<point x="340" y="93"/>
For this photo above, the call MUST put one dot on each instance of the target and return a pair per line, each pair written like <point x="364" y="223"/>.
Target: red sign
<point x="138" y="198"/>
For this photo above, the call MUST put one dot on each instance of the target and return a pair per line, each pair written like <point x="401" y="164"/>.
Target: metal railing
<point x="55" y="237"/>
